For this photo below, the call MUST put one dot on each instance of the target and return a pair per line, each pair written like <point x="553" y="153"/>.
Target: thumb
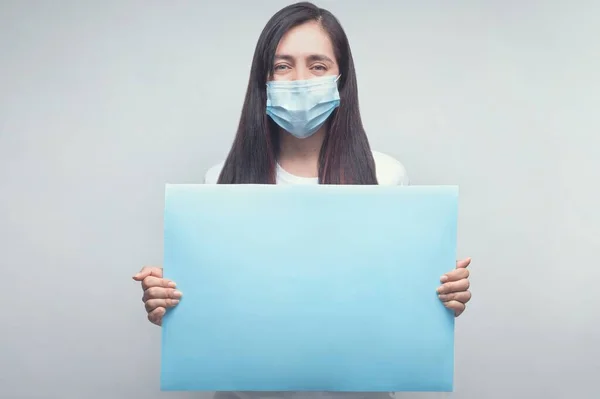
<point x="148" y="271"/>
<point x="461" y="264"/>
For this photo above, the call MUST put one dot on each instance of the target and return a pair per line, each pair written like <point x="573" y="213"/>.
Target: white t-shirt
<point x="389" y="172"/>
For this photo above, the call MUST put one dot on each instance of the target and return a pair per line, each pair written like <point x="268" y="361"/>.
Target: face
<point x="304" y="52"/>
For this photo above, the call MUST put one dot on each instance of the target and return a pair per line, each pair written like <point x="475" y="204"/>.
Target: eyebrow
<point x="311" y="58"/>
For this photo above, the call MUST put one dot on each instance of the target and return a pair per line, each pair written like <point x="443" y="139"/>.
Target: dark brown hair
<point x="345" y="156"/>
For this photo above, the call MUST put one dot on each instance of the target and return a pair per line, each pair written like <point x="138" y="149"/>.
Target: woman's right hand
<point x="159" y="293"/>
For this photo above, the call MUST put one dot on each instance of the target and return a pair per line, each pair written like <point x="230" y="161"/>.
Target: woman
<point x="300" y="124"/>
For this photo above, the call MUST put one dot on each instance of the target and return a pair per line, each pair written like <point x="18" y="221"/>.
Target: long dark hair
<point x="345" y="156"/>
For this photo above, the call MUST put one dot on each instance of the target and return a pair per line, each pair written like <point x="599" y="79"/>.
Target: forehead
<point x="305" y="39"/>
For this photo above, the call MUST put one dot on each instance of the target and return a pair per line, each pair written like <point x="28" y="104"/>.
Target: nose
<point x="301" y="73"/>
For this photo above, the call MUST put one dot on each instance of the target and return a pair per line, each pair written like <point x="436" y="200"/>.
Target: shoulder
<point x="390" y="172"/>
<point x="212" y="174"/>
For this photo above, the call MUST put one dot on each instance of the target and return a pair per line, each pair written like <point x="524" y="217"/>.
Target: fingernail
<point x="444" y="278"/>
<point x="171" y="284"/>
<point x="175" y="301"/>
<point x="177" y="294"/>
<point x="136" y="275"/>
<point x="439" y="290"/>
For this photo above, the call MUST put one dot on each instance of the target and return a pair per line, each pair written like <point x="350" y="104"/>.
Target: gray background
<point x="101" y="103"/>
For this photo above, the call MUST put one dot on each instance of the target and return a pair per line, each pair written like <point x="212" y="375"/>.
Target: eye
<point x="280" y="67"/>
<point x="320" y="67"/>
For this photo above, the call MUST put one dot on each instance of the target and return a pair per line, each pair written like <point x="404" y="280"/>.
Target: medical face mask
<point x="301" y="107"/>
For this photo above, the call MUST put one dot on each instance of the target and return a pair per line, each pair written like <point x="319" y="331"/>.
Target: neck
<point x="300" y="157"/>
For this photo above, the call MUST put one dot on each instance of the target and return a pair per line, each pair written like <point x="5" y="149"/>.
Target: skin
<point x="305" y="52"/>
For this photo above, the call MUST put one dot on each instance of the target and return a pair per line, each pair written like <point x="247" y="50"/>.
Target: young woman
<point x="300" y="124"/>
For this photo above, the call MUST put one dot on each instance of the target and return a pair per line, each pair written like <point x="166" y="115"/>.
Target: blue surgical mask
<point x="301" y="107"/>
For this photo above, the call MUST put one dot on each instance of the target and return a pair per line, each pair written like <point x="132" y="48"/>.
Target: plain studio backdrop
<point x="102" y="103"/>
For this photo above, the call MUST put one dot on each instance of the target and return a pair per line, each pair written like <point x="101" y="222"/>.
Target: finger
<point x="454" y="286"/>
<point x="460" y="264"/>
<point x="462" y="297"/>
<point x="152" y="281"/>
<point x="455" y="275"/>
<point x="161" y="293"/>
<point x="456" y="306"/>
<point x="148" y="271"/>
<point x="156" y="316"/>
<point x="152" y="304"/>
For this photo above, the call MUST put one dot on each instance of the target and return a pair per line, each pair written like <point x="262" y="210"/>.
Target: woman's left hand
<point x="454" y="291"/>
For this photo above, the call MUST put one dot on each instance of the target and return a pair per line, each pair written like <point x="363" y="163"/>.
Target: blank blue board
<point x="308" y="288"/>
